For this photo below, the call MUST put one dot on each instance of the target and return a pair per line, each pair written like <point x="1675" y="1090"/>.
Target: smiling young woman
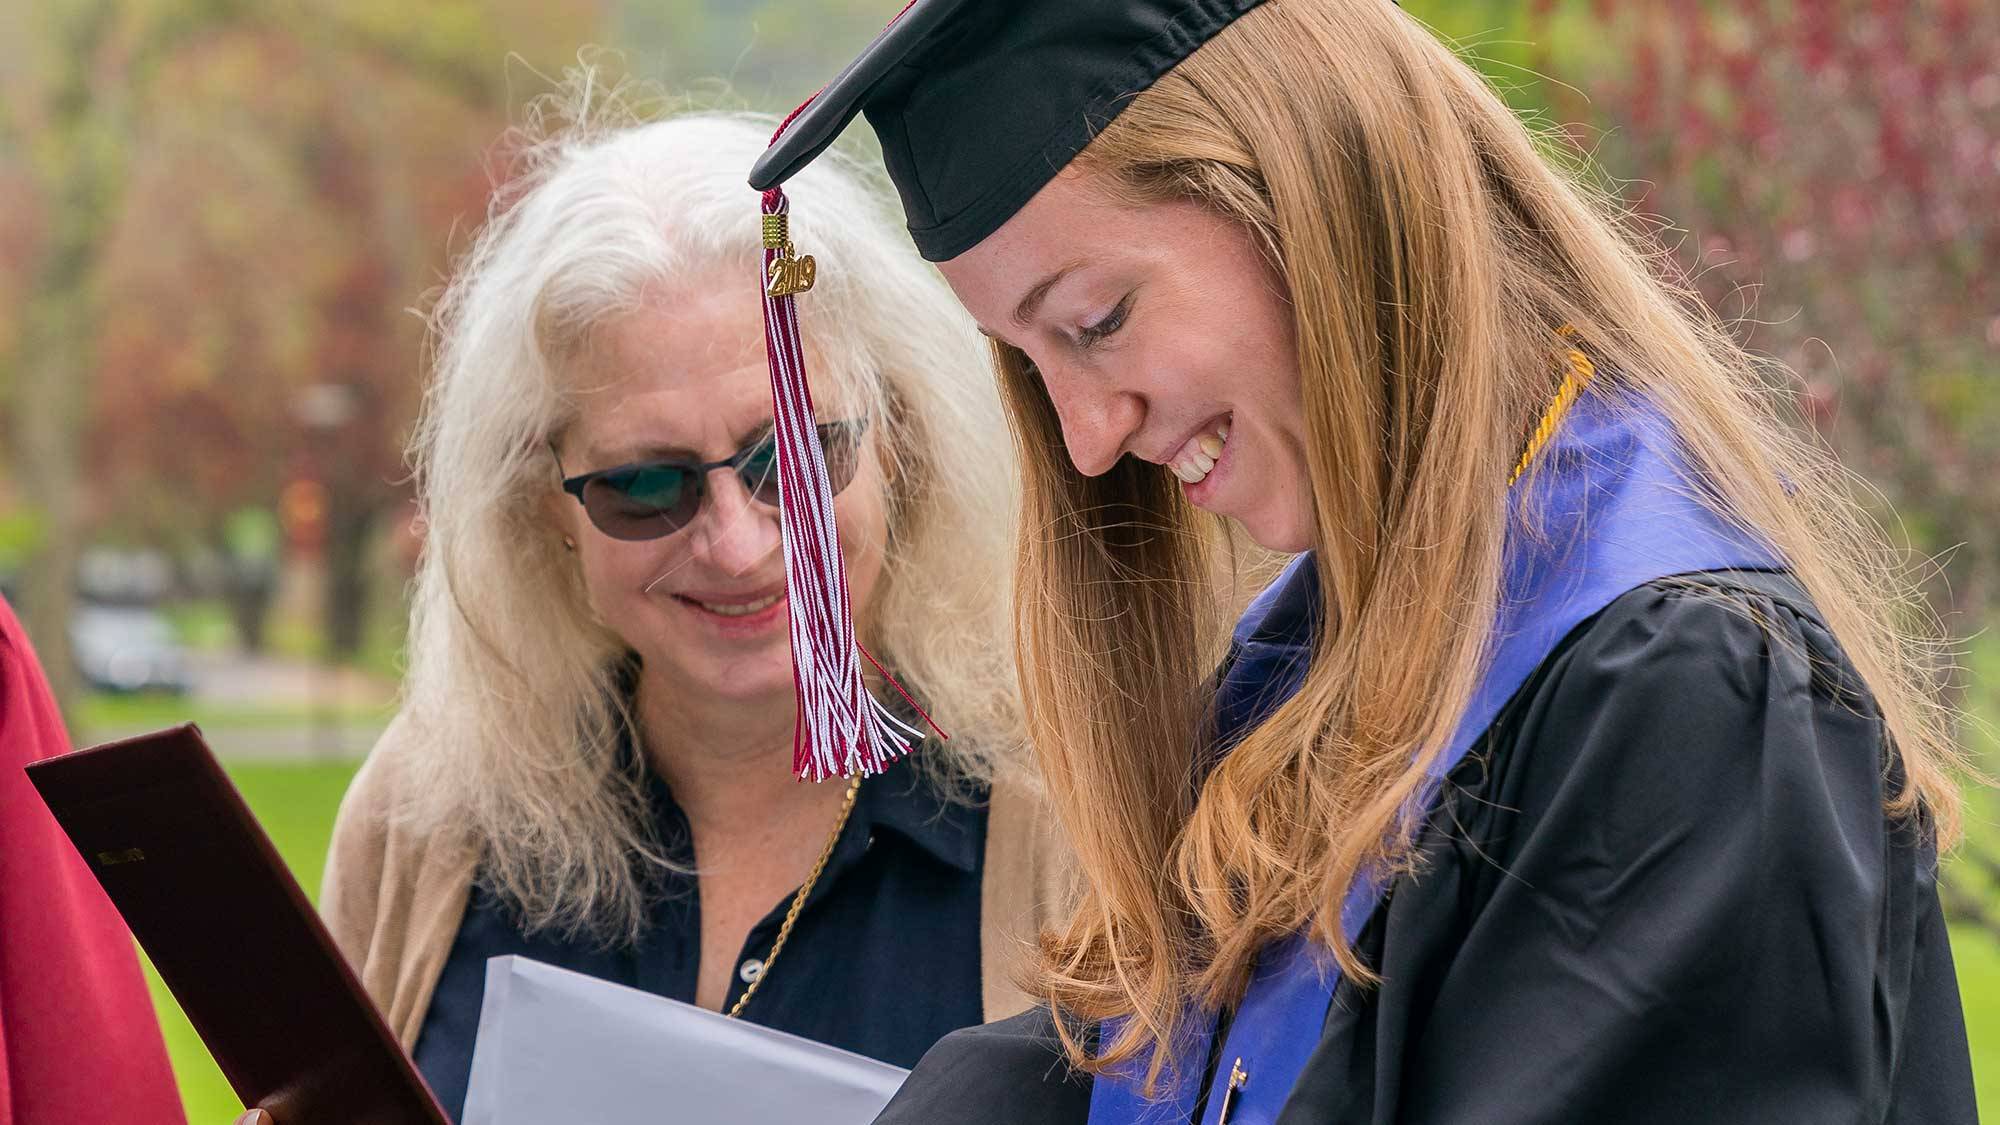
<point x="1583" y="767"/>
<point x="1152" y="330"/>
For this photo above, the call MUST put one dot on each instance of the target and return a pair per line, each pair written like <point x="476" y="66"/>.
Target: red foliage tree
<point x="1836" y="166"/>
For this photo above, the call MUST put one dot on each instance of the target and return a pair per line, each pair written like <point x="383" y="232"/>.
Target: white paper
<point x="561" y="1048"/>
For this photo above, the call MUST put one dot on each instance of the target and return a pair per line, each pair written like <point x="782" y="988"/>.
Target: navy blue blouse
<point x="883" y="961"/>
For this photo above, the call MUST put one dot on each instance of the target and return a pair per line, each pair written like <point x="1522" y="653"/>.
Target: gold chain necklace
<point x="798" y="901"/>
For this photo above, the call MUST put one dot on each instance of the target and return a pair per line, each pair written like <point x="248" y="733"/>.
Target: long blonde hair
<point x="513" y="712"/>
<point x="1430" y="249"/>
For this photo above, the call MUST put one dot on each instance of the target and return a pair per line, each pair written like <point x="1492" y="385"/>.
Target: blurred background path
<point x="273" y="708"/>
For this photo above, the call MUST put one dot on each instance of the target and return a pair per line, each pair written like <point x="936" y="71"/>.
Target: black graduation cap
<point x="979" y="103"/>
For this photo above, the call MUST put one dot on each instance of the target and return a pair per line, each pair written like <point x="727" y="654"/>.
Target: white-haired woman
<point x="592" y="765"/>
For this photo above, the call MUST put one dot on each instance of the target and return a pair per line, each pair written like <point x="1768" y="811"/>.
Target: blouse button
<point x="750" y="970"/>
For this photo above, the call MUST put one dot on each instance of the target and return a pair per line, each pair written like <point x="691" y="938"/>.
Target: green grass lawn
<point x="296" y="803"/>
<point x="1976" y="951"/>
<point x="1977" y="955"/>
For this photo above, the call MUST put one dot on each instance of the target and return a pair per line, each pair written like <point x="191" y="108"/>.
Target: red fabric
<point x="78" y="1037"/>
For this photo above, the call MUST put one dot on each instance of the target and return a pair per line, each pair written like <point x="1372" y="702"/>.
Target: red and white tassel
<point x="841" y="730"/>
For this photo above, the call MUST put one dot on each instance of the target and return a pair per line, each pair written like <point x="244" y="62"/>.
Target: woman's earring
<point x="569" y="544"/>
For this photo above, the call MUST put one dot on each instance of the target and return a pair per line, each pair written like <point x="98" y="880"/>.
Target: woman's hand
<point x="256" y="1117"/>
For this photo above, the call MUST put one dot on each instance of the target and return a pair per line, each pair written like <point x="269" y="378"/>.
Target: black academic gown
<point x="1661" y="888"/>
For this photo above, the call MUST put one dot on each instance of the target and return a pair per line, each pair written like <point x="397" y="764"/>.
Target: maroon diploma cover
<point x="230" y="932"/>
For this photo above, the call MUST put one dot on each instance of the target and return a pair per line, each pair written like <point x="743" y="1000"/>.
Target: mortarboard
<point x="978" y="104"/>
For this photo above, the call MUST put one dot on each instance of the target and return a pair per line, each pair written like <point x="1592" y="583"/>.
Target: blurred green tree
<point x="768" y="54"/>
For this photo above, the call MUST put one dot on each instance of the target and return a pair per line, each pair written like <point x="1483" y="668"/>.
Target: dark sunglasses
<point x="651" y="499"/>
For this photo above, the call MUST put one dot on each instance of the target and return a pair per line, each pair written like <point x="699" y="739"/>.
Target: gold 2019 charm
<point x="791" y="274"/>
